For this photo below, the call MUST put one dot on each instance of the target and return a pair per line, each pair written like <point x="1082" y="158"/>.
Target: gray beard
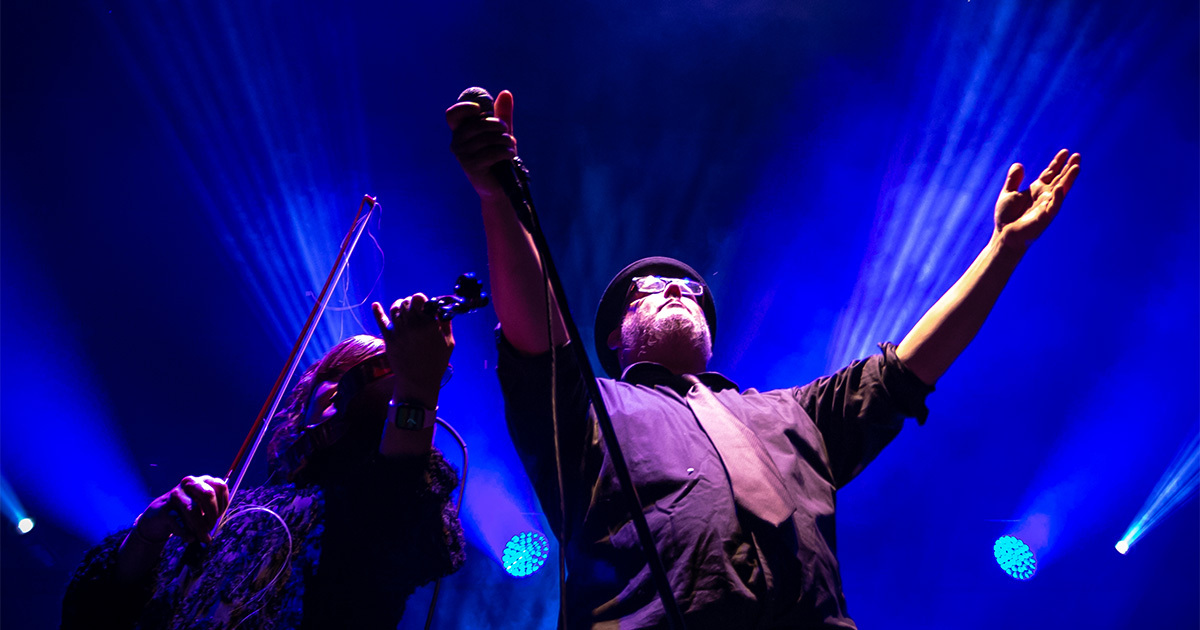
<point x="675" y="333"/>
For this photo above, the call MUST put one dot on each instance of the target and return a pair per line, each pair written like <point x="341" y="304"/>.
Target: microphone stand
<point x="522" y="202"/>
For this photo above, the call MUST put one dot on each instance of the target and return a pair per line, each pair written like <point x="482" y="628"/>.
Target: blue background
<point x="177" y="176"/>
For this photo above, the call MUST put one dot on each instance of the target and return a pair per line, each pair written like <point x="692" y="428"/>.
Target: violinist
<point x="355" y="516"/>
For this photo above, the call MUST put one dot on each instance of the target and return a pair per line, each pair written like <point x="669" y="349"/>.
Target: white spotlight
<point x="1177" y="484"/>
<point x="1122" y="547"/>
<point x="25" y="525"/>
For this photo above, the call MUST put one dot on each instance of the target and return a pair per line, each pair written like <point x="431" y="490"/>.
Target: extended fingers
<point x="381" y="318"/>
<point x="1061" y="173"/>
<point x="504" y="109"/>
<point x="1054" y="168"/>
<point x="1067" y="178"/>
<point x="1016" y="173"/>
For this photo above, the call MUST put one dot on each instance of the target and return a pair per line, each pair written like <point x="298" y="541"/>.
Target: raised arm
<point x="518" y="291"/>
<point x="418" y="350"/>
<point x="944" y="331"/>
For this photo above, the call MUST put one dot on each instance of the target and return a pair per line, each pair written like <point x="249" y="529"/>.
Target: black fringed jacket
<point x="360" y="544"/>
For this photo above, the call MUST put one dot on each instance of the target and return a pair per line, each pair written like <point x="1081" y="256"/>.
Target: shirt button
<point x="691" y="470"/>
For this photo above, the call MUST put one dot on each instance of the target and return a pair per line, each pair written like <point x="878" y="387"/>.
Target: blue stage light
<point x="525" y="553"/>
<point x="1177" y="484"/>
<point x="1015" y="557"/>
<point x="11" y="507"/>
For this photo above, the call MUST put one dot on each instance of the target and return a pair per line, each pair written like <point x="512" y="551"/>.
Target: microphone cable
<point x="462" y="490"/>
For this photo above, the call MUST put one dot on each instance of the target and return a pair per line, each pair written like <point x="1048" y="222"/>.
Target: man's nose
<point x="673" y="290"/>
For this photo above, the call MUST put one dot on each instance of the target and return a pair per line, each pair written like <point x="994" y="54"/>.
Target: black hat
<point x="611" y="311"/>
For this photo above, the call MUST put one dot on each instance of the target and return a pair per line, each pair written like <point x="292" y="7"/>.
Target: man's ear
<point x="614" y="339"/>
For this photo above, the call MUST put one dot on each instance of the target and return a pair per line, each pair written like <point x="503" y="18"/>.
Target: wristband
<point x="410" y="416"/>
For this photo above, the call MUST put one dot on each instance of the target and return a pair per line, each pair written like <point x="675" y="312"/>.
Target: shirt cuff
<point x="903" y="386"/>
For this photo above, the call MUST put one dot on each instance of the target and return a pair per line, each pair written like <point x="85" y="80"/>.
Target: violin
<point x="468" y="297"/>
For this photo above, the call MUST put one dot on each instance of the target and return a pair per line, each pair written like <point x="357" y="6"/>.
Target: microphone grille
<point x="478" y="96"/>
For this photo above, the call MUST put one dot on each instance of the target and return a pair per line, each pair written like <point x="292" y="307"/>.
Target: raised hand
<point x="418" y="347"/>
<point x="1022" y="215"/>
<point x="479" y="142"/>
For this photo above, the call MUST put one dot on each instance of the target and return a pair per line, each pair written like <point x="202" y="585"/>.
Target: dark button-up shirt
<point x="726" y="568"/>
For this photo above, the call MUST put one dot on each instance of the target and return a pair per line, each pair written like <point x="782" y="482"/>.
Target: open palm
<point x="1022" y="215"/>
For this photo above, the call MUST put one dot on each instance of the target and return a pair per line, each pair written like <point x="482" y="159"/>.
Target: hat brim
<point x="611" y="310"/>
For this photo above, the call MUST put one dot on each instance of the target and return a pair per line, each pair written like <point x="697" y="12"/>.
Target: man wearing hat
<point x="738" y="486"/>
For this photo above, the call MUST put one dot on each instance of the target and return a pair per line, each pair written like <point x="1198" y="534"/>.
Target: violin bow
<point x="241" y="462"/>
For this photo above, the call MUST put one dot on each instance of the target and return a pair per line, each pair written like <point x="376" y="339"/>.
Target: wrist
<point x="423" y="395"/>
<point x="410" y="416"/>
<point x="495" y="206"/>
<point x="137" y="555"/>
<point x="491" y="196"/>
<point x="1008" y="245"/>
<point x="138" y="536"/>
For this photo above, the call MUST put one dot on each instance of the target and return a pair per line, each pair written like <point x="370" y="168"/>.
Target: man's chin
<point x="676" y="316"/>
<point x="677" y="331"/>
<point x="668" y="332"/>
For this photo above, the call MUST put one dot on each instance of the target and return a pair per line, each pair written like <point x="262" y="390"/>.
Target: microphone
<point x="509" y="173"/>
<point x="479" y="96"/>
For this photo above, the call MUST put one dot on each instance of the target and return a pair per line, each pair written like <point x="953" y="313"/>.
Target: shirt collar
<point x="653" y="374"/>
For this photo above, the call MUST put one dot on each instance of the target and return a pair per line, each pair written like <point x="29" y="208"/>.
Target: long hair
<point x="341" y="357"/>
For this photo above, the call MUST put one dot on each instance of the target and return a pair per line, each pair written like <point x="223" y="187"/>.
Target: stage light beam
<point x="1178" y="483"/>
<point x="975" y="112"/>
<point x="11" y="506"/>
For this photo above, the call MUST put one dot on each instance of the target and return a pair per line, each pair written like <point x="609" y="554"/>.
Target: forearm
<point x="518" y="290"/>
<point x="97" y="592"/>
<point x="137" y="557"/>
<point x="946" y="329"/>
